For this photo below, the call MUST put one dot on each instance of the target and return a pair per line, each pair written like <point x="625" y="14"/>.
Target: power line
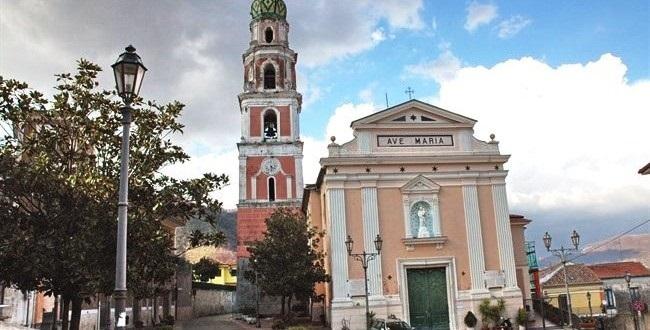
<point x="609" y="241"/>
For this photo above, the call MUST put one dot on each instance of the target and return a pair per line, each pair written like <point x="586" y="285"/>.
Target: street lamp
<point x="589" y="300"/>
<point x="628" y="279"/>
<point x="129" y="72"/>
<point x="563" y="253"/>
<point x="364" y="258"/>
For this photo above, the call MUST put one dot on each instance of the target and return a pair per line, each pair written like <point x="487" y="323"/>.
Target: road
<point x="221" y="322"/>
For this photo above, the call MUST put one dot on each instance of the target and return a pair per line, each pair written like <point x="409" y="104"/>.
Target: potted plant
<point x="470" y="320"/>
<point x="522" y="318"/>
<point x="491" y="314"/>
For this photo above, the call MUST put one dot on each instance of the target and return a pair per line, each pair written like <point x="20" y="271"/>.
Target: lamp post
<point x="364" y="258"/>
<point x="563" y="253"/>
<point x="589" y="300"/>
<point x="129" y="72"/>
<point x="628" y="279"/>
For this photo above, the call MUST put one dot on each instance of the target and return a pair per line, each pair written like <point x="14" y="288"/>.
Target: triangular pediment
<point x="414" y="112"/>
<point x="420" y="184"/>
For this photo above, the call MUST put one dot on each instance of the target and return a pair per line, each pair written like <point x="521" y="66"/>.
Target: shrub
<point x="491" y="313"/>
<point x="279" y="324"/>
<point x="522" y="317"/>
<point x="470" y="320"/>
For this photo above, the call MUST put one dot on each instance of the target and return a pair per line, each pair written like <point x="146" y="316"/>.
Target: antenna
<point x="387" y="100"/>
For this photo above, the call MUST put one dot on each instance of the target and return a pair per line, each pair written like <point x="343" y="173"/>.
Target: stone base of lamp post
<point x="120" y="308"/>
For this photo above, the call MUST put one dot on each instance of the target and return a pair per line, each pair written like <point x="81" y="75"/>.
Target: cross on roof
<point x="410" y="92"/>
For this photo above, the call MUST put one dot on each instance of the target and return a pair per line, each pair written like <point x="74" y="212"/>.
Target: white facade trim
<point x="339" y="255"/>
<point x="474" y="238"/>
<point x="504" y="235"/>
<point x="448" y="263"/>
<point x="370" y="217"/>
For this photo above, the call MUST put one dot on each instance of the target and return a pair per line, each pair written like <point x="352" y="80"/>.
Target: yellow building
<point x="582" y="280"/>
<point x="227" y="275"/>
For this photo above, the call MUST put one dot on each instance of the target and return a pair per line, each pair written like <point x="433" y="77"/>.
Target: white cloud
<point x="441" y="69"/>
<point x="577" y="132"/>
<point x="401" y="14"/>
<point x="338" y="125"/>
<point x="512" y="26"/>
<point x="378" y="36"/>
<point x="479" y="14"/>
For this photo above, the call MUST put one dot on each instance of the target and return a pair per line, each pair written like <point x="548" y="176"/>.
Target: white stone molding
<point x="339" y="254"/>
<point x="289" y="187"/>
<point x="277" y="122"/>
<point x="474" y="238"/>
<point x="504" y="235"/>
<point x="254" y="188"/>
<point x="242" y="178"/>
<point x="421" y="189"/>
<point x="370" y="217"/>
<point x="299" y="178"/>
<point x="435" y="262"/>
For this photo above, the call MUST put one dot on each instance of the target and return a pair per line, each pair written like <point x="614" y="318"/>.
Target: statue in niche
<point x="421" y="220"/>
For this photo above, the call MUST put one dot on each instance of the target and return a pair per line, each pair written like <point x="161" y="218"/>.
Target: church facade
<point x="270" y="150"/>
<point x="416" y="176"/>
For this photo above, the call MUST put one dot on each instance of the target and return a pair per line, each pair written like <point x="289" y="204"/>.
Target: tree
<point x="287" y="261"/>
<point x="205" y="269"/>
<point x="59" y="171"/>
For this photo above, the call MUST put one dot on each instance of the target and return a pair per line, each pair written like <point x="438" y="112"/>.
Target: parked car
<point x="391" y="323"/>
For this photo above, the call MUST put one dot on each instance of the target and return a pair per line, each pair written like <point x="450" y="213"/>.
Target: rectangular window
<point x="609" y="298"/>
<point x="635" y="293"/>
<point x="233" y="272"/>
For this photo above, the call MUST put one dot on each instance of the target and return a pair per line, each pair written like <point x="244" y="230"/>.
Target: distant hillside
<point x="625" y="248"/>
<point x="227" y="223"/>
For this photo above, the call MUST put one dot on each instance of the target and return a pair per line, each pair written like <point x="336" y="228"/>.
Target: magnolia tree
<point x="288" y="261"/>
<point x="59" y="173"/>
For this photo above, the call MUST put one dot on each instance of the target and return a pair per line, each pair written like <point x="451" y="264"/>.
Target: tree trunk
<point x="136" y="312"/>
<point x="154" y="307"/>
<point x="55" y="312"/>
<point x="166" y="305"/>
<point x="289" y="304"/>
<point x="2" y="293"/>
<point x="282" y="302"/>
<point x="75" y="320"/>
<point x="65" y="312"/>
<point x="105" y="312"/>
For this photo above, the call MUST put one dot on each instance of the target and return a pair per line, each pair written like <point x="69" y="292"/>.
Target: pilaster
<point x="474" y="238"/>
<point x="339" y="257"/>
<point x="370" y="216"/>
<point x="504" y="234"/>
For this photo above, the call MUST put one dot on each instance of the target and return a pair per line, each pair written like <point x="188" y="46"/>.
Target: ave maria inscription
<point x="415" y="140"/>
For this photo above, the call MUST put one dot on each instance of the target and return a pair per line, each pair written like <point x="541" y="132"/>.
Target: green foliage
<point x="522" y="317"/>
<point x="470" y="320"/>
<point x="370" y="318"/>
<point x="205" y="269"/>
<point x="491" y="313"/>
<point x="59" y="176"/>
<point x="287" y="261"/>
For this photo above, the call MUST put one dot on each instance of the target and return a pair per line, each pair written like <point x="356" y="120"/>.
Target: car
<point x="391" y="323"/>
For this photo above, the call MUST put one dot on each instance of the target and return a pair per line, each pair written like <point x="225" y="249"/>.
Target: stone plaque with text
<point x="415" y="140"/>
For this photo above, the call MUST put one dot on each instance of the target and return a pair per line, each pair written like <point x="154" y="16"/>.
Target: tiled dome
<point x="268" y="9"/>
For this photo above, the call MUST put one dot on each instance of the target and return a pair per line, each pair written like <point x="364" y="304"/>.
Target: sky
<point x="564" y="85"/>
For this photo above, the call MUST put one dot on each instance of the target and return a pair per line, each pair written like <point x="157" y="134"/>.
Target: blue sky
<point x="564" y="85"/>
<point x="559" y="32"/>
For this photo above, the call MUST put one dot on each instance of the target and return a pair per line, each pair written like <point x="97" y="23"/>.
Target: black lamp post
<point x="129" y="72"/>
<point x="589" y="300"/>
<point x="628" y="279"/>
<point x="563" y="254"/>
<point x="364" y="258"/>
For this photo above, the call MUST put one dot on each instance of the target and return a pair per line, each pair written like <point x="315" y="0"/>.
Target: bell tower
<point x="270" y="150"/>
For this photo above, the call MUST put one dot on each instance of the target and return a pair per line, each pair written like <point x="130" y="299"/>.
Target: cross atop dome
<point x="268" y="9"/>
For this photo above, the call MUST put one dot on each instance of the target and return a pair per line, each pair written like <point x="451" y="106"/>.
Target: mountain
<point x="227" y="224"/>
<point x="631" y="247"/>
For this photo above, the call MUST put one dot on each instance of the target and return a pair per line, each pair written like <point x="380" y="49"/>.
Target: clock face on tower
<point x="271" y="166"/>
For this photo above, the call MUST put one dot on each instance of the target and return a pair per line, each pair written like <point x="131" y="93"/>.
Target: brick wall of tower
<point x="250" y="227"/>
<point x="253" y="172"/>
<point x="256" y="120"/>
